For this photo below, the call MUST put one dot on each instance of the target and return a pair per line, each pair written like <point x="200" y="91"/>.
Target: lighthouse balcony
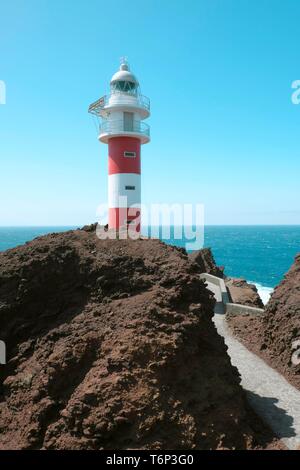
<point x="125" y="101"/>
<point x="137" y="129"/>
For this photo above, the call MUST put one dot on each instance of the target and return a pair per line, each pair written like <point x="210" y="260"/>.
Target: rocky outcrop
<point x="241" y="292"/>
<point x="111" y="345"/>
<point x="281" y="325"/>
<point x="205" y="262"/>
<point x="92" y="227"/>
<point x="275" y="335"/>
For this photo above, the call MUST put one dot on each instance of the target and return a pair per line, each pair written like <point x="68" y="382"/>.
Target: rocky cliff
<point x="281" y="325"/>
<point x="205" y="262"/>
<point x="276" y="334"/>
<point x="111" y="346"/>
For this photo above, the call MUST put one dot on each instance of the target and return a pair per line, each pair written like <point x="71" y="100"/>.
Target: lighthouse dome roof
<point x="124" y="75"/>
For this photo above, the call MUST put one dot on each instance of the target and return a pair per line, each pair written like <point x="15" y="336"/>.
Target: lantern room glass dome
<point x="124" y="81"/>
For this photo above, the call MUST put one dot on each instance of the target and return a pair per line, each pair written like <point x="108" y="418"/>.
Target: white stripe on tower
<point x="124" y="186"/>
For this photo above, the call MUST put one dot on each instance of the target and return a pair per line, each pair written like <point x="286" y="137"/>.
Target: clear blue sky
<point x="218" y="72"/>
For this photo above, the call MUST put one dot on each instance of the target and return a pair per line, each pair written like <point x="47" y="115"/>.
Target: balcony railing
<point x="119" y="98"/>
<point x="116" y="127"/>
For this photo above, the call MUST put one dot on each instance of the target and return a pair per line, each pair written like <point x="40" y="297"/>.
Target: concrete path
<point x="269" y="394"/>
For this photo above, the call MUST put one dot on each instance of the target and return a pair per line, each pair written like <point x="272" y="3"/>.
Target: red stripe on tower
<point x="124" y="155"/>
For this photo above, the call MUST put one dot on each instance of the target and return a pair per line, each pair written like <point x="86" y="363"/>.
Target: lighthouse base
<point x="125" y="219"/>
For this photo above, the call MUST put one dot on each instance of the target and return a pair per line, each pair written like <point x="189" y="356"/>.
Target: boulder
<point x="241" y="292"/>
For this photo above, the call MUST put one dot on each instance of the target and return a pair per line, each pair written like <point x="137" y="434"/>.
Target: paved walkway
<point x="270" y="395"/>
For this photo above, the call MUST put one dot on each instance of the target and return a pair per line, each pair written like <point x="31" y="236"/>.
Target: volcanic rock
<point x="205" y="262"/>
<point x="241" y="292"/>
<point x="111" y="345"/>
<point x="275" y="335"/>
<point x="281" y="325"/>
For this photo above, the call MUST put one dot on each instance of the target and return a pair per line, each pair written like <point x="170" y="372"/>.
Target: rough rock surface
<point x="276" y="335"/>
<point x="241" y="292"/>
<point x="111" y="346"/>
<point x="205" y="262"/>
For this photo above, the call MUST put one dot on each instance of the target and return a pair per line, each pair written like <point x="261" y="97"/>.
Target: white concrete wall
<point x="116" y="188"/>
<point x="217" y="281"/>
<point x="222" y="294"/>
<point x="238" y="309"/>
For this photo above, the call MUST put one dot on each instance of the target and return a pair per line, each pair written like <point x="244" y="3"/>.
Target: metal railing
<point x="116" y="127"/>
<point x="130" y="99"/>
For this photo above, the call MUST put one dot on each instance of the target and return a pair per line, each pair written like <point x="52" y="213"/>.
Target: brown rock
<point x="205" y="262"/>
<point x="275" y="336"/>
<point x="90" y="368"/>
<point x="281" y="324"/>
<point x="90" y="228"/>
<point x="241" y="292"/>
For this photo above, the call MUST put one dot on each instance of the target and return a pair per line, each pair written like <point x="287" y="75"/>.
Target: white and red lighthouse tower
<point x="121" y="126"/>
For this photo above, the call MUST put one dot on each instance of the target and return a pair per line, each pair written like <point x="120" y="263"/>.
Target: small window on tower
<point x="129" y="154"/>
<point x="130" y="187"/>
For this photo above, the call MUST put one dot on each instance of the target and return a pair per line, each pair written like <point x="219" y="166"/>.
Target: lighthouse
<point x="121" y="116"/>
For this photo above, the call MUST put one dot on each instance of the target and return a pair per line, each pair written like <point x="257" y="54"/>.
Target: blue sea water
<point x="10" y="237"/>
<point x="261" y="254"/>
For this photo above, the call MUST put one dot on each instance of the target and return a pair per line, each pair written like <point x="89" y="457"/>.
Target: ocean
<point x="260" y="254"/>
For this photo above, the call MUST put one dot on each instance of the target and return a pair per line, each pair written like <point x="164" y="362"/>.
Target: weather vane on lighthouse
<point x="122" y="127"/>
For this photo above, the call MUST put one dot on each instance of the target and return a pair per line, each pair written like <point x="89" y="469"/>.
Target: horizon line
<point x="78" y="226"/>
